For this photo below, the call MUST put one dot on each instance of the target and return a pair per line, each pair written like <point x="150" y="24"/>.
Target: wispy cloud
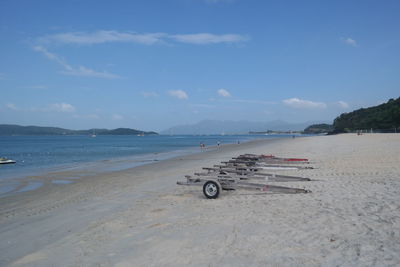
<point x="74" y="71"/>
<point x="102" y="36"/>
<point x="117" y="117"/>
<point x="223" y="93"/>
<point x="149" y="94"/>
<point x="342" y="104"/>
<point x="51" y="56"/>
<point x="88" y="116"/>
<point x="303" y="104"/>
<point x="180" y="94"/>
<point x="35" y="87"/>
<point x="109" y="36"/>
<point x="86" y="72"/>
<point x="350" y="41"/>
<point x="55" y="107"/>
<point x="98" y="37"/>
<point x="208" y="38"/>
<point x="62" y="107"/>
<point x="12" y="106"/>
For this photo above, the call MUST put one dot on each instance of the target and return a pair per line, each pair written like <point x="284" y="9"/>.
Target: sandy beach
<point x="140" y="217"/>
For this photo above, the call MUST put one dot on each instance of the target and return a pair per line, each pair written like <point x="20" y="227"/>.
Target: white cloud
<point x="50" y="56"/>
<point x="86" y="72"/>
<point x="149" y="94"/>
<point x="69" y="70"/>
<point x="12" y="106"/>
<point x="117" y="117"/>
<point x="300" y="103"/>
<point x="178" y="94"/>
<point x="223" y="93"/>
<point x="208" y="38"/>
<point x="62" y="107"/>
<point x="342" y="104"/>
<point x="350" y="41"/>
<point x="98" y="37"/>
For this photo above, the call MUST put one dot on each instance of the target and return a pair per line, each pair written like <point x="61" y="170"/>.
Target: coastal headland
<point x="140" y="217"/>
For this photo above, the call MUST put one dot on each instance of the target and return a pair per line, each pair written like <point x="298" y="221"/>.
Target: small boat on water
<point x="6" y="161"/>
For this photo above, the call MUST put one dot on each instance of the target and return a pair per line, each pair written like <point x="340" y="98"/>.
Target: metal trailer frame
<point x="264" y="165"/>
<point x="250" y="174"/>
<point x="213" y="185"/>
<point x="262" y="162"/>
<point x="269" y="159"/>
<point x="237" y="173"/>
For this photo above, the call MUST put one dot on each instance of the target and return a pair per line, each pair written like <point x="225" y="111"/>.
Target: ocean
<point x="38" y="155"/>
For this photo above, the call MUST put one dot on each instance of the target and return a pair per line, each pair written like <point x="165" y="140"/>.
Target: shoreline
<point x="141" y="217"/>
<point x="76" y="176"/>
<point x="72" y="173"/>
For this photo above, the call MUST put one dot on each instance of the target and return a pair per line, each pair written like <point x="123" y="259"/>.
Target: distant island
<point x="10" y="129"/>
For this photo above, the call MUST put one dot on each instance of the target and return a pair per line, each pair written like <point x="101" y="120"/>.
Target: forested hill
<point x="318" y="128"/>
<point x="384" y="118"/>
<point x="8" y="129"/>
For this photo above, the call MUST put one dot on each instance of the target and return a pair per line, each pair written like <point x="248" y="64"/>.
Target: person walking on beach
<point x="202" y="145"/>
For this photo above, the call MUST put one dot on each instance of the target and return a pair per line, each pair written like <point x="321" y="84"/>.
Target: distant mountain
<point x="9" y="129"/>
<point x="234" y="127"/>
<point x="384" y="117"/>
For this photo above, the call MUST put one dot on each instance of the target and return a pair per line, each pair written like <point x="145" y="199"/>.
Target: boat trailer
<point x="239" y="176"/>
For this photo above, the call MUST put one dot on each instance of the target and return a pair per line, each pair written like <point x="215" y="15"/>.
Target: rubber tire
<point x="217" y="188"/>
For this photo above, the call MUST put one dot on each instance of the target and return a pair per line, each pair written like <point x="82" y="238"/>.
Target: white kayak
<point x="6" y="161"/>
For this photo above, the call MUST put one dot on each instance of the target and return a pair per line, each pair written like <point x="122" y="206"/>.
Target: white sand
<point x="140" y="217"/>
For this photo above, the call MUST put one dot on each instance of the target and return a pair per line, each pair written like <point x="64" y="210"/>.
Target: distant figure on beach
<point x="238" y="142"/>
<point x="218" y="143"/>
<point x="202" y="145"/>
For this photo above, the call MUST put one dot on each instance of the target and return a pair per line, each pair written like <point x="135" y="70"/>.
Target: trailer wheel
<point x="211" y="189"/>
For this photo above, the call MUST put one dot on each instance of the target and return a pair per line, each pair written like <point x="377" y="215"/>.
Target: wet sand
<point x="140" y="217"/>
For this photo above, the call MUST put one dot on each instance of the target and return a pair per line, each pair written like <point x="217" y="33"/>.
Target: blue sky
<point x="155" y="64"/>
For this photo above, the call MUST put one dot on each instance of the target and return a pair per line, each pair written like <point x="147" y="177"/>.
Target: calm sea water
<point x="41" y="154"/>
